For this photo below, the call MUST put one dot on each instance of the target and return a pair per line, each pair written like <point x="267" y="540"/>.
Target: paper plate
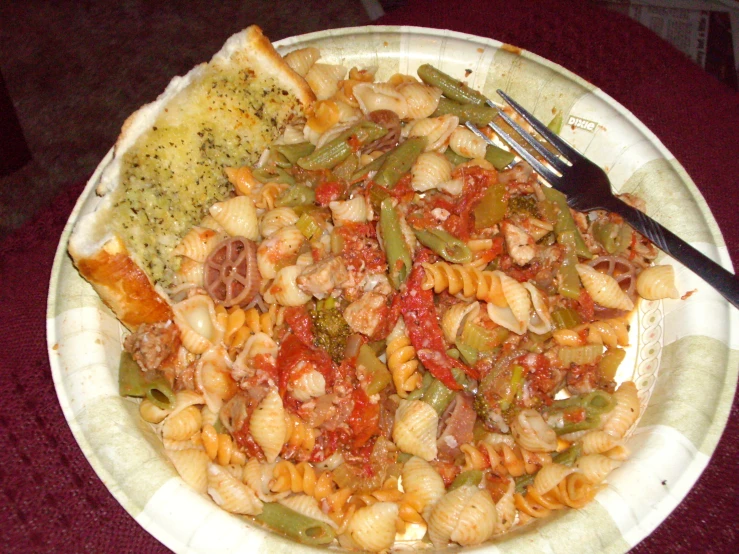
<point x="682" y="356"/>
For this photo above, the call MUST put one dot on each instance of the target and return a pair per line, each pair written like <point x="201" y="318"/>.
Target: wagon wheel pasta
<point x="427" y="347"/>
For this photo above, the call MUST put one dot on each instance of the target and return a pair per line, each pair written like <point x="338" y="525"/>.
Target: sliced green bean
<point x="479" y="115"/>
<point x="366" y="169"/>
<point x="566" y="457"/>
<point x="499" y="157"/>
<point x="294" y="525"/>
<point x="565" y="221"/>
<point x="376" y="195"/>
<point x="379" y="375"/>
<point x="399" y="161"/>
<point x="150" y="384"/>
<point x="438" y="396"/>
<point x="492" y="207"/>
<point x="293" y="152"/>
<point x="337" y="150"/>
<point x="468" y="353"/>
<point x="426" y="382"/>
<point x="398" y="255"/>
<point x="450" y="87"/>
<point x="445" y="245"/>
<point x="273" y="175"/>
<point x="470" y="477"/>
<point x="296" y="195"/>
<point x="454" y="158"/>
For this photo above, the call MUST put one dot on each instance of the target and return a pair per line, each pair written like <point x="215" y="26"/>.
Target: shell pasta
<point x="416" y="346"/>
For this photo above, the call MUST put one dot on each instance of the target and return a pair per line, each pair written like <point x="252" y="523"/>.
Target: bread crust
<point x="101" y="256"/>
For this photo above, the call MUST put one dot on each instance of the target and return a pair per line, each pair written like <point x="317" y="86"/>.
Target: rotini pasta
<point x="415" y="345"/>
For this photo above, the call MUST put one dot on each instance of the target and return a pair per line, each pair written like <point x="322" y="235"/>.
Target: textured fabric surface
<point x="51" y="500"/>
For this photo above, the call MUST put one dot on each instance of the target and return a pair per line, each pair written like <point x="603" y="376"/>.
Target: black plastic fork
<point x="587" y="188"/>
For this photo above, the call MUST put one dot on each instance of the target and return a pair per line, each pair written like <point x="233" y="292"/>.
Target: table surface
<point x="51" y="500"/>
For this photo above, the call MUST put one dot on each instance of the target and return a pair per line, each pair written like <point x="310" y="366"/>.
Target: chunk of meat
<point x="455" y="427"/>
<point x="365" y="315"/>
<point x="152" y="343"/>
<point x="519" y="243"/>
<point x="320" y="279"/>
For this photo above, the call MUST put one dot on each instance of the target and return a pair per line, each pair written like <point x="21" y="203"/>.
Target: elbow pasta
<point x="481" y="346"/>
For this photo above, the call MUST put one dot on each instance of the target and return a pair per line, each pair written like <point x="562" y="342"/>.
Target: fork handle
<point x="726" y="283"/>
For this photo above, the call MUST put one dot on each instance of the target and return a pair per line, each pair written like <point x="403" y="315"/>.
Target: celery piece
<point x="608" y="365"/>
<point x="565" y="318"/>
<point x="376" y="195"/>
<point x="580" y="355"/>
<point x="308" y="226"/>
<point x="492" y="207"/>
<point x="379" y="375"/>
<point x="451" y="88"/>
<point x="398" y="255"/>
<point x="481" y="338"/>
<point x="555" y="124"/>
<point x="445" y="245"/>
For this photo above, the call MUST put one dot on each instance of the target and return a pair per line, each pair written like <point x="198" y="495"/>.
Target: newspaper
<point x="705" y="30"/>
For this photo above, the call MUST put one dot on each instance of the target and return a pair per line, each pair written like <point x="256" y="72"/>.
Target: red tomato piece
<point x="364" y="418"/>
<point x="328" y="192"/>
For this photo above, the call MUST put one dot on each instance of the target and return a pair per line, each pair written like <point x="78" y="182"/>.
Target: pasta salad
<point x="392" y="333"/>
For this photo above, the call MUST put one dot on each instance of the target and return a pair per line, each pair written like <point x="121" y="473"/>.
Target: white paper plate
<point x="687" y="343"/>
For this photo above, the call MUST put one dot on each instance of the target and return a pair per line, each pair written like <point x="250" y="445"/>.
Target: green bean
<point x="363" y="171"/>
<point x="454" y="158"/>
<point x="470" y="477"/>
<point x="344" y="170"/>
<point x="438" y="396"/>
<point x="565" y="221"/>
<point x="479" y="115"/>
<point x="492" y="207"/>
<point x="378" y="372"/>
<point x="566" y="457"/>
<point x="376" y="195"/>
<point x="565" y="318"/>
<point x="398" y="255"/>
<point x="294" y="525"/>
<point x="150" y="384"/>
<point x="297" y="195"/>
<point x="469" y="354"/>
<point x="568" y="280"/>
<point x="273" y="175"/>
<point x="399" y="161"/>
<point x="293" y="152"/>
<point x="499" y="157"/>
<point x="450" y="87"/>
<point x="608" y="365"/>
<point x="445" y="245"/>
<point x="426" y="382"/>
<point x="337" y="150"/>
<point x="597" y="401"/>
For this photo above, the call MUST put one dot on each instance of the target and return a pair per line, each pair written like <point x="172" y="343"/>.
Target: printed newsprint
<point x="705" y="30"/>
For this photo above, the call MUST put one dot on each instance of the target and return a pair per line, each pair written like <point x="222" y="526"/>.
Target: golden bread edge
<point x="116" y="277"/>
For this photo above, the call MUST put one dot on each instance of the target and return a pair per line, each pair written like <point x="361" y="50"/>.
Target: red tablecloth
<point x="51" y="500"/>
